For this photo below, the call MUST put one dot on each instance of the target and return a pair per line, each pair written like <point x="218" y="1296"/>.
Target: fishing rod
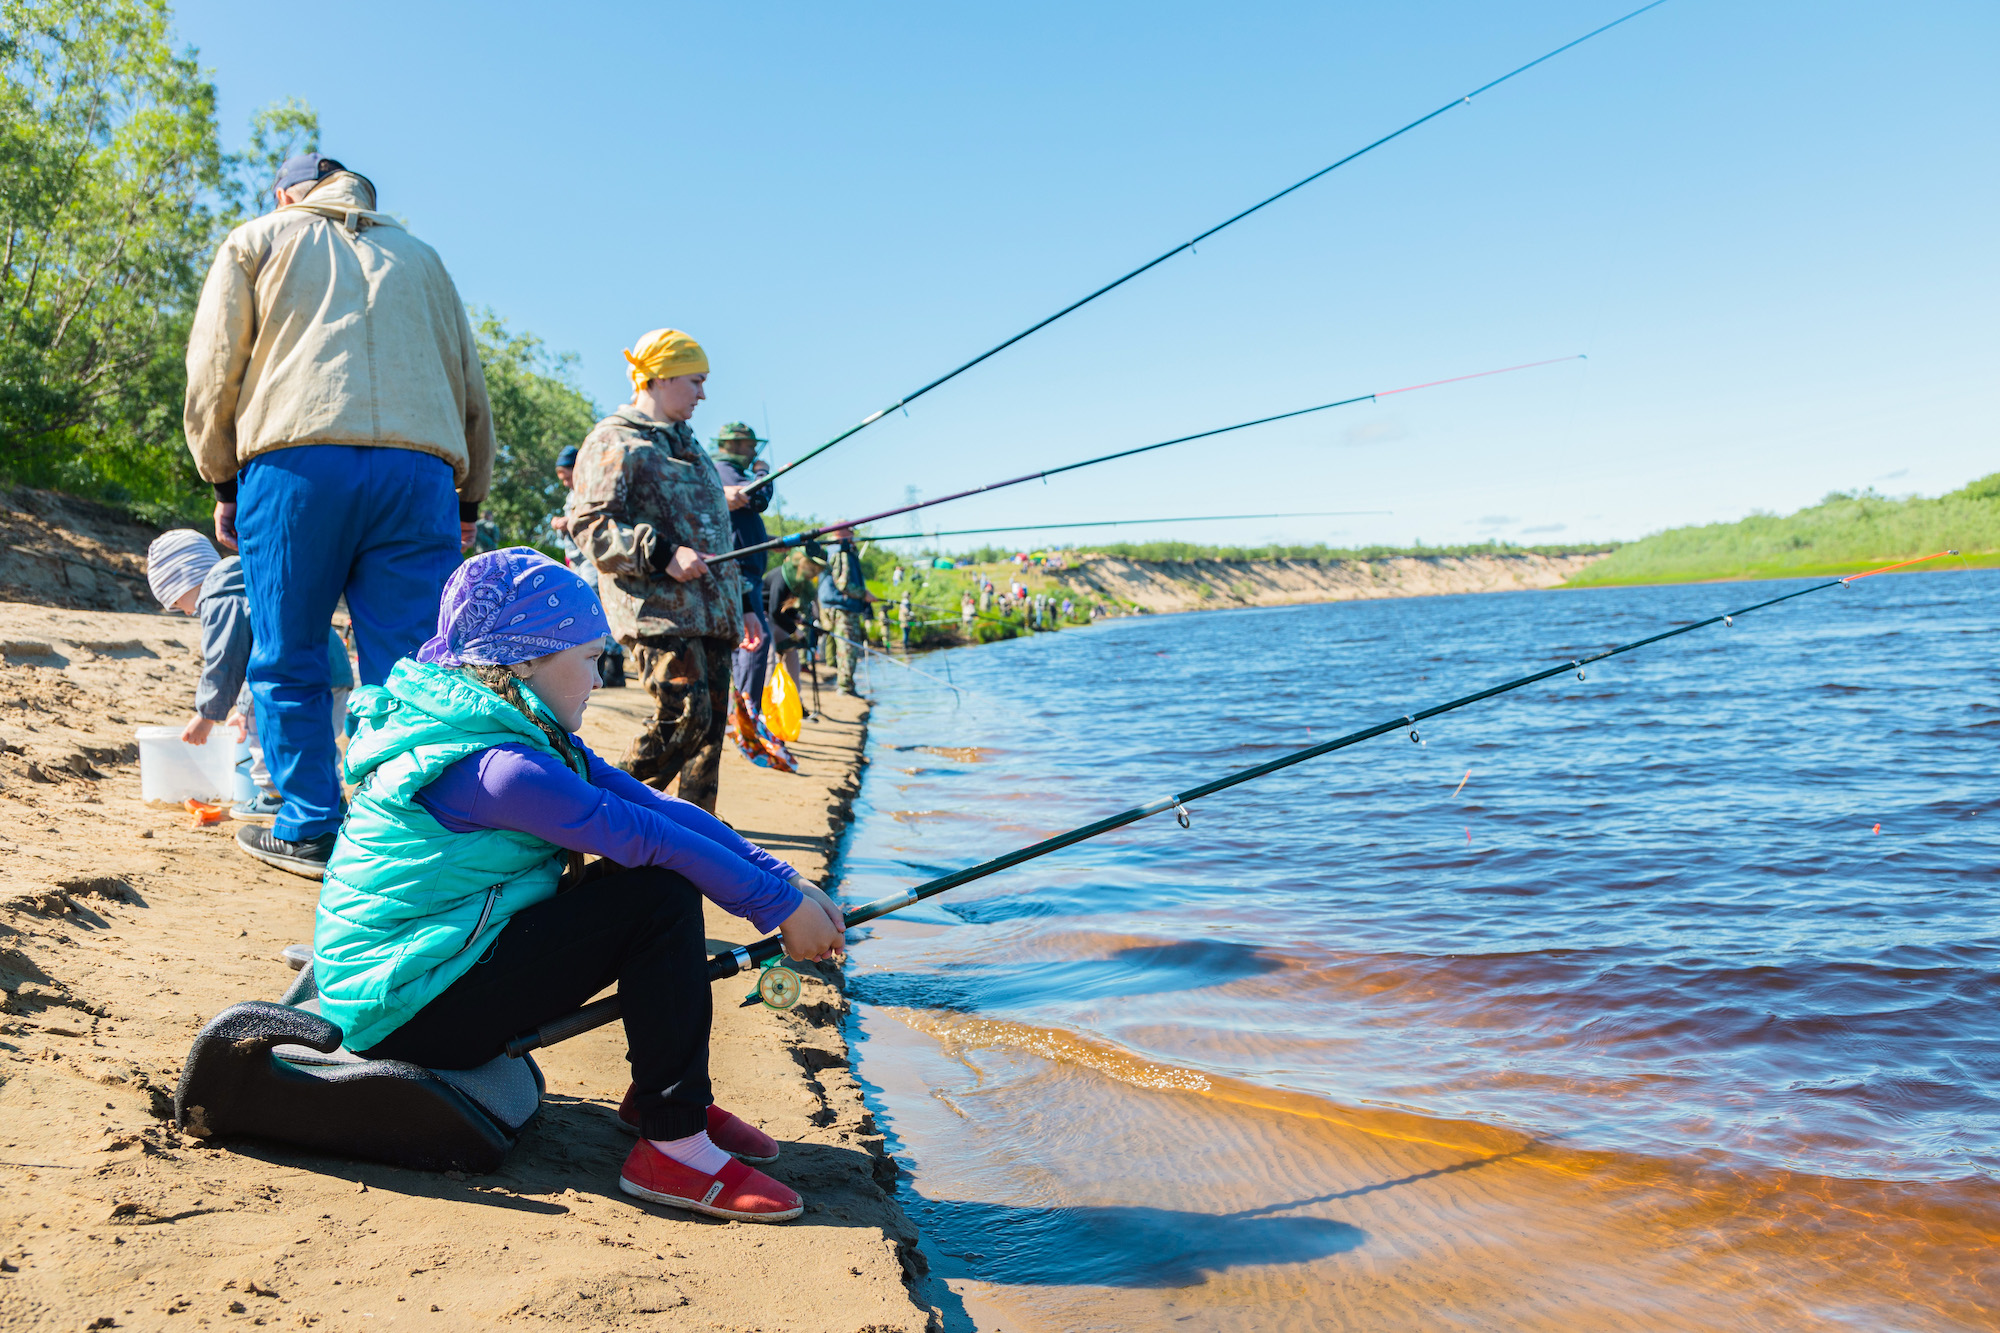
<point x="1117" y="523"/>
<point x="801" y="538"/>
<point x="744" y="957"/>
<point x="1191" y="243"/>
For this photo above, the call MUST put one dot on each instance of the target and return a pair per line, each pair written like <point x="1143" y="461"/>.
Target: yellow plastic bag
<point x="783" y="713"/>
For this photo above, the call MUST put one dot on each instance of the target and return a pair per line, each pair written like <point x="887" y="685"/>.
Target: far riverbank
<point x="1120" y="585"/>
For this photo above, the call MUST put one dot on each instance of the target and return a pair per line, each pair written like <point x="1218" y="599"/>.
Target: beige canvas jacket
<point x="326" y="322"/>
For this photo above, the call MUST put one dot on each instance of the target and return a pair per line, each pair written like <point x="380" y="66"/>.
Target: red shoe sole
<point x="697" y="1206"/>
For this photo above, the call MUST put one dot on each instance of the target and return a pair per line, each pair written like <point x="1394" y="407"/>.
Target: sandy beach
<point x="123" y="929"/>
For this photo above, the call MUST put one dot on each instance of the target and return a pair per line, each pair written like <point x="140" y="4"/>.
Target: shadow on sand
<point x="1119" y="1246"/>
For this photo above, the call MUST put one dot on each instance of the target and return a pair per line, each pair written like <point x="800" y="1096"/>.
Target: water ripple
<point x="1728" y="898"/>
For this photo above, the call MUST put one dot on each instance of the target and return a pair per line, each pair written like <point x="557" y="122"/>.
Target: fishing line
<point x="801" y="538"/>
<point x="744" y="957"/>
<point x="879" y="652"/>
<point x="1116" y="283"/>
<point x="1116" y="523"/>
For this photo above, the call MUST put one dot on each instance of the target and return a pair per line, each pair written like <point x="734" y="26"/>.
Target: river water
<point x="1715" y="922"/>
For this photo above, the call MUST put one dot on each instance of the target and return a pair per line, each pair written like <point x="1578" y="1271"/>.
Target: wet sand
<point x="1108" y="1191"/>
<point x="123" y="929"/>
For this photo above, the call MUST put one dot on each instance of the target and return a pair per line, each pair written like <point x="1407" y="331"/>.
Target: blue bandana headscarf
<point x="503" y="607"/>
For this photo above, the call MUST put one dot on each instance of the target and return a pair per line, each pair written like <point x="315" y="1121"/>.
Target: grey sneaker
<point x="306" y="858"/>
<point x="266" y="806"/>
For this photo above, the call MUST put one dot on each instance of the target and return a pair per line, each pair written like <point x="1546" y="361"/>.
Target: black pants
<point x="639" y="928"/>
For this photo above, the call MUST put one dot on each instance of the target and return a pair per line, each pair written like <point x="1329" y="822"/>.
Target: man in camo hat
<point x="736" y="462"/>
<point x="844" y="596"/>
<point x="647" y="504"/>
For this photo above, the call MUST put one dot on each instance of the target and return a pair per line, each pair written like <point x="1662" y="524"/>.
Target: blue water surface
<point x="1730" y="897"/>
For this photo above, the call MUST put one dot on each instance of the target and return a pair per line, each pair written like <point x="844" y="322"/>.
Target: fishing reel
<point x="778" y="986"/>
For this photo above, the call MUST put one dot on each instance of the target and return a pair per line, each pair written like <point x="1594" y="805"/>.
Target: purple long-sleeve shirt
<point x="612" y="815"/>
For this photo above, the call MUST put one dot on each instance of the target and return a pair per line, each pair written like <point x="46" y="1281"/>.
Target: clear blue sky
<point x="1770" y="226"/>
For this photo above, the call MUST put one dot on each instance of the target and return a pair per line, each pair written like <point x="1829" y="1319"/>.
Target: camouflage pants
<point x="852" y="630"/>
<point x="689" y="681"/>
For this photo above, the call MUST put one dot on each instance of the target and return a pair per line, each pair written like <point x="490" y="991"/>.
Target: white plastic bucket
<point x="172" y="771"/>
<point x="245" y="792"/>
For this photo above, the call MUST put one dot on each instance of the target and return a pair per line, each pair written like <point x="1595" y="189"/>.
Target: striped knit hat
<point x="177" y="562"/>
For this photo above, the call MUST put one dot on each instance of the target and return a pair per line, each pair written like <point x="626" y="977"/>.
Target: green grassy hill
<point x="1842" y="534"/>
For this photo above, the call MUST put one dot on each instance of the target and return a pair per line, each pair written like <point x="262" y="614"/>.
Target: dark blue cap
<point x="567" y="458"/>
<point x="306" y="167"/>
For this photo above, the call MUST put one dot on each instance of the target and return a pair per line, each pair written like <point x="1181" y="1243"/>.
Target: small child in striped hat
<point x="187" y="575"/>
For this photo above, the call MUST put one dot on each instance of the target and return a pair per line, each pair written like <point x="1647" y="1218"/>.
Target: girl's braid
<point x="508" y="686"/>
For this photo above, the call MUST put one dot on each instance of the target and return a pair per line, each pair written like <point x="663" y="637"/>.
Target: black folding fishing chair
<point x="280" y="1072"/>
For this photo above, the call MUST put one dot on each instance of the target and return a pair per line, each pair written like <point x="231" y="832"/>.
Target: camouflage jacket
<point x="844" y="567"/>
<point x="644" y="487"/>
<point x="842" y="587"/>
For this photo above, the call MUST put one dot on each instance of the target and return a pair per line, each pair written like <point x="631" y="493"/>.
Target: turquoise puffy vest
<point x="407" y="906"/>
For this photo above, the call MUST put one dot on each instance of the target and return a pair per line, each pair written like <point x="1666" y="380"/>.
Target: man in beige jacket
<point x="336" y="403"/>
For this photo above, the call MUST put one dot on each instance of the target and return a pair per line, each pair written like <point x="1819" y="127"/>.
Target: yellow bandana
<point x="665" y="354"/>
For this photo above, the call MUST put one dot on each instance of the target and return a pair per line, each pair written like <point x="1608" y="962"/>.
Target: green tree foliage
<point x="279" y="132"/>
<point x="116" y="192"/>
<point x="110" y="178"/>
<point x="537" y="409"/>
<point x="1844" y="533"/>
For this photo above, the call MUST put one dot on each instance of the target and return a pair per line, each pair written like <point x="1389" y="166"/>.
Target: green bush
<point x="116" y="190"/>
<point x="117" y="193"/>
<point x="537" y="410"/>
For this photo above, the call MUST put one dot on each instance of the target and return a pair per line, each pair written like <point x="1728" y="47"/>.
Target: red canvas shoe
<point x="738" y="1192"/>
<point x="739" y="1138"/>
<point x="734" y="1135"/>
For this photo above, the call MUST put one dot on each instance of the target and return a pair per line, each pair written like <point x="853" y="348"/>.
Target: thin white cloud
<point x="1374" y="432"/>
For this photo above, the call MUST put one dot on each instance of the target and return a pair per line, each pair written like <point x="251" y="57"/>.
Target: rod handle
<point x="594" y="1015"/>
<point x="744" y="958"/>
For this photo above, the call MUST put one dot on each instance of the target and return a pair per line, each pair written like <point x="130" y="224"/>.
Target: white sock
<point x="694" y="1151"/>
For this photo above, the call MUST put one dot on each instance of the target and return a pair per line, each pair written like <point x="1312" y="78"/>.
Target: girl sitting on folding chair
<point x="456" y="912"/>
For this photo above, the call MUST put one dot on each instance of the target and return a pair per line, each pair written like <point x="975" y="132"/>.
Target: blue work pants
<point x="313" y="522"/>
